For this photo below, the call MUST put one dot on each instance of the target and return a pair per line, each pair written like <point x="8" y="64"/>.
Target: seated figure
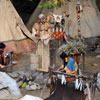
<point x="69" y="64"/>
<point x="3" y="59"/>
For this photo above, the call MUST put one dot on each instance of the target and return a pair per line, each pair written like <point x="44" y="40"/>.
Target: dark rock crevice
<point x="25" y="8"/>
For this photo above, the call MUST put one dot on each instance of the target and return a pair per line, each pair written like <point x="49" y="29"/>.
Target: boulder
<point x="10" y="83"/>
<point x="33" y="87"/>
<point x="98" y="56"/>
<point x="29" y="97"/>
<point x="3" y="86"/>
<point x="19" y="84"/>
<point x="35" y="74"/>
<point x="39" y="79"/>
<point x="4" y="94"/>
<point x="20" y="72"/>
<point x="28" y="88"/>
<point x="13" y="74"/>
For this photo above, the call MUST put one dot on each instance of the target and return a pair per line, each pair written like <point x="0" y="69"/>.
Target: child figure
<point x="69" y="64"/>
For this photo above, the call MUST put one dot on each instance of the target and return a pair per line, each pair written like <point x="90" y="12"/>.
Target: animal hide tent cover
<point x="12" y="29"/>
<point x="89" y="19"/>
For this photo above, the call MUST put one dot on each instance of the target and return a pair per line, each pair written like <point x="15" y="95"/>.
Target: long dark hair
<point x="63" y="55"/>
<point x="2" y="45"/>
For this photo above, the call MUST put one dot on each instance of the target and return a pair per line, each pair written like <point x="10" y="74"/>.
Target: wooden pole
<point x="66" y="74"/>
<point x="83" y="67"/>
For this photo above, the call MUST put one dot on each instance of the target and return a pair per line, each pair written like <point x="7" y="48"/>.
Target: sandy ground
<point x="23" y="61"/>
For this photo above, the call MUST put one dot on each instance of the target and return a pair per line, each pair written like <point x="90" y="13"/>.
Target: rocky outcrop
<point x="8" y="87"/>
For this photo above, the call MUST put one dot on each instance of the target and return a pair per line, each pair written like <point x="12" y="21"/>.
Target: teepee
<point x="89" y="18"/>
<point x="12" y="29"/>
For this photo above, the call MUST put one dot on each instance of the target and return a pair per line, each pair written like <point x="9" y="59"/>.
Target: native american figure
<point x="41" y="31"/>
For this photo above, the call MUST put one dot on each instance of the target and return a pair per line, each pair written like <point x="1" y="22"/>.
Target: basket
<point x="70" y="78"/>
<point x="76" y="57"/>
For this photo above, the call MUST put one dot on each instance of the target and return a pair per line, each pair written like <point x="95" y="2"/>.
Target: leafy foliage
<point x="52" y="4"/>
<point x="96" y="0"/>
<point x="72" y="47"/>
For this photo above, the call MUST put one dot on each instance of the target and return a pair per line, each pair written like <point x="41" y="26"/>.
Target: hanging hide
<point x="65" y="92"/>
<point x="57" y="18"/>
<point x="58" y="21"/>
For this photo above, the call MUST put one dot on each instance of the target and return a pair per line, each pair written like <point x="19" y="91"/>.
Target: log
<point x="65" y="74"/>
<point x="78" y="76"/>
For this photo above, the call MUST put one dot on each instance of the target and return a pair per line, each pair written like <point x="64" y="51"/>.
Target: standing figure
<point x="41" y="31"/>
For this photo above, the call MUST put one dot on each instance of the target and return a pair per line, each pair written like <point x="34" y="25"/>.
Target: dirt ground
<point x="92" y="65"/>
